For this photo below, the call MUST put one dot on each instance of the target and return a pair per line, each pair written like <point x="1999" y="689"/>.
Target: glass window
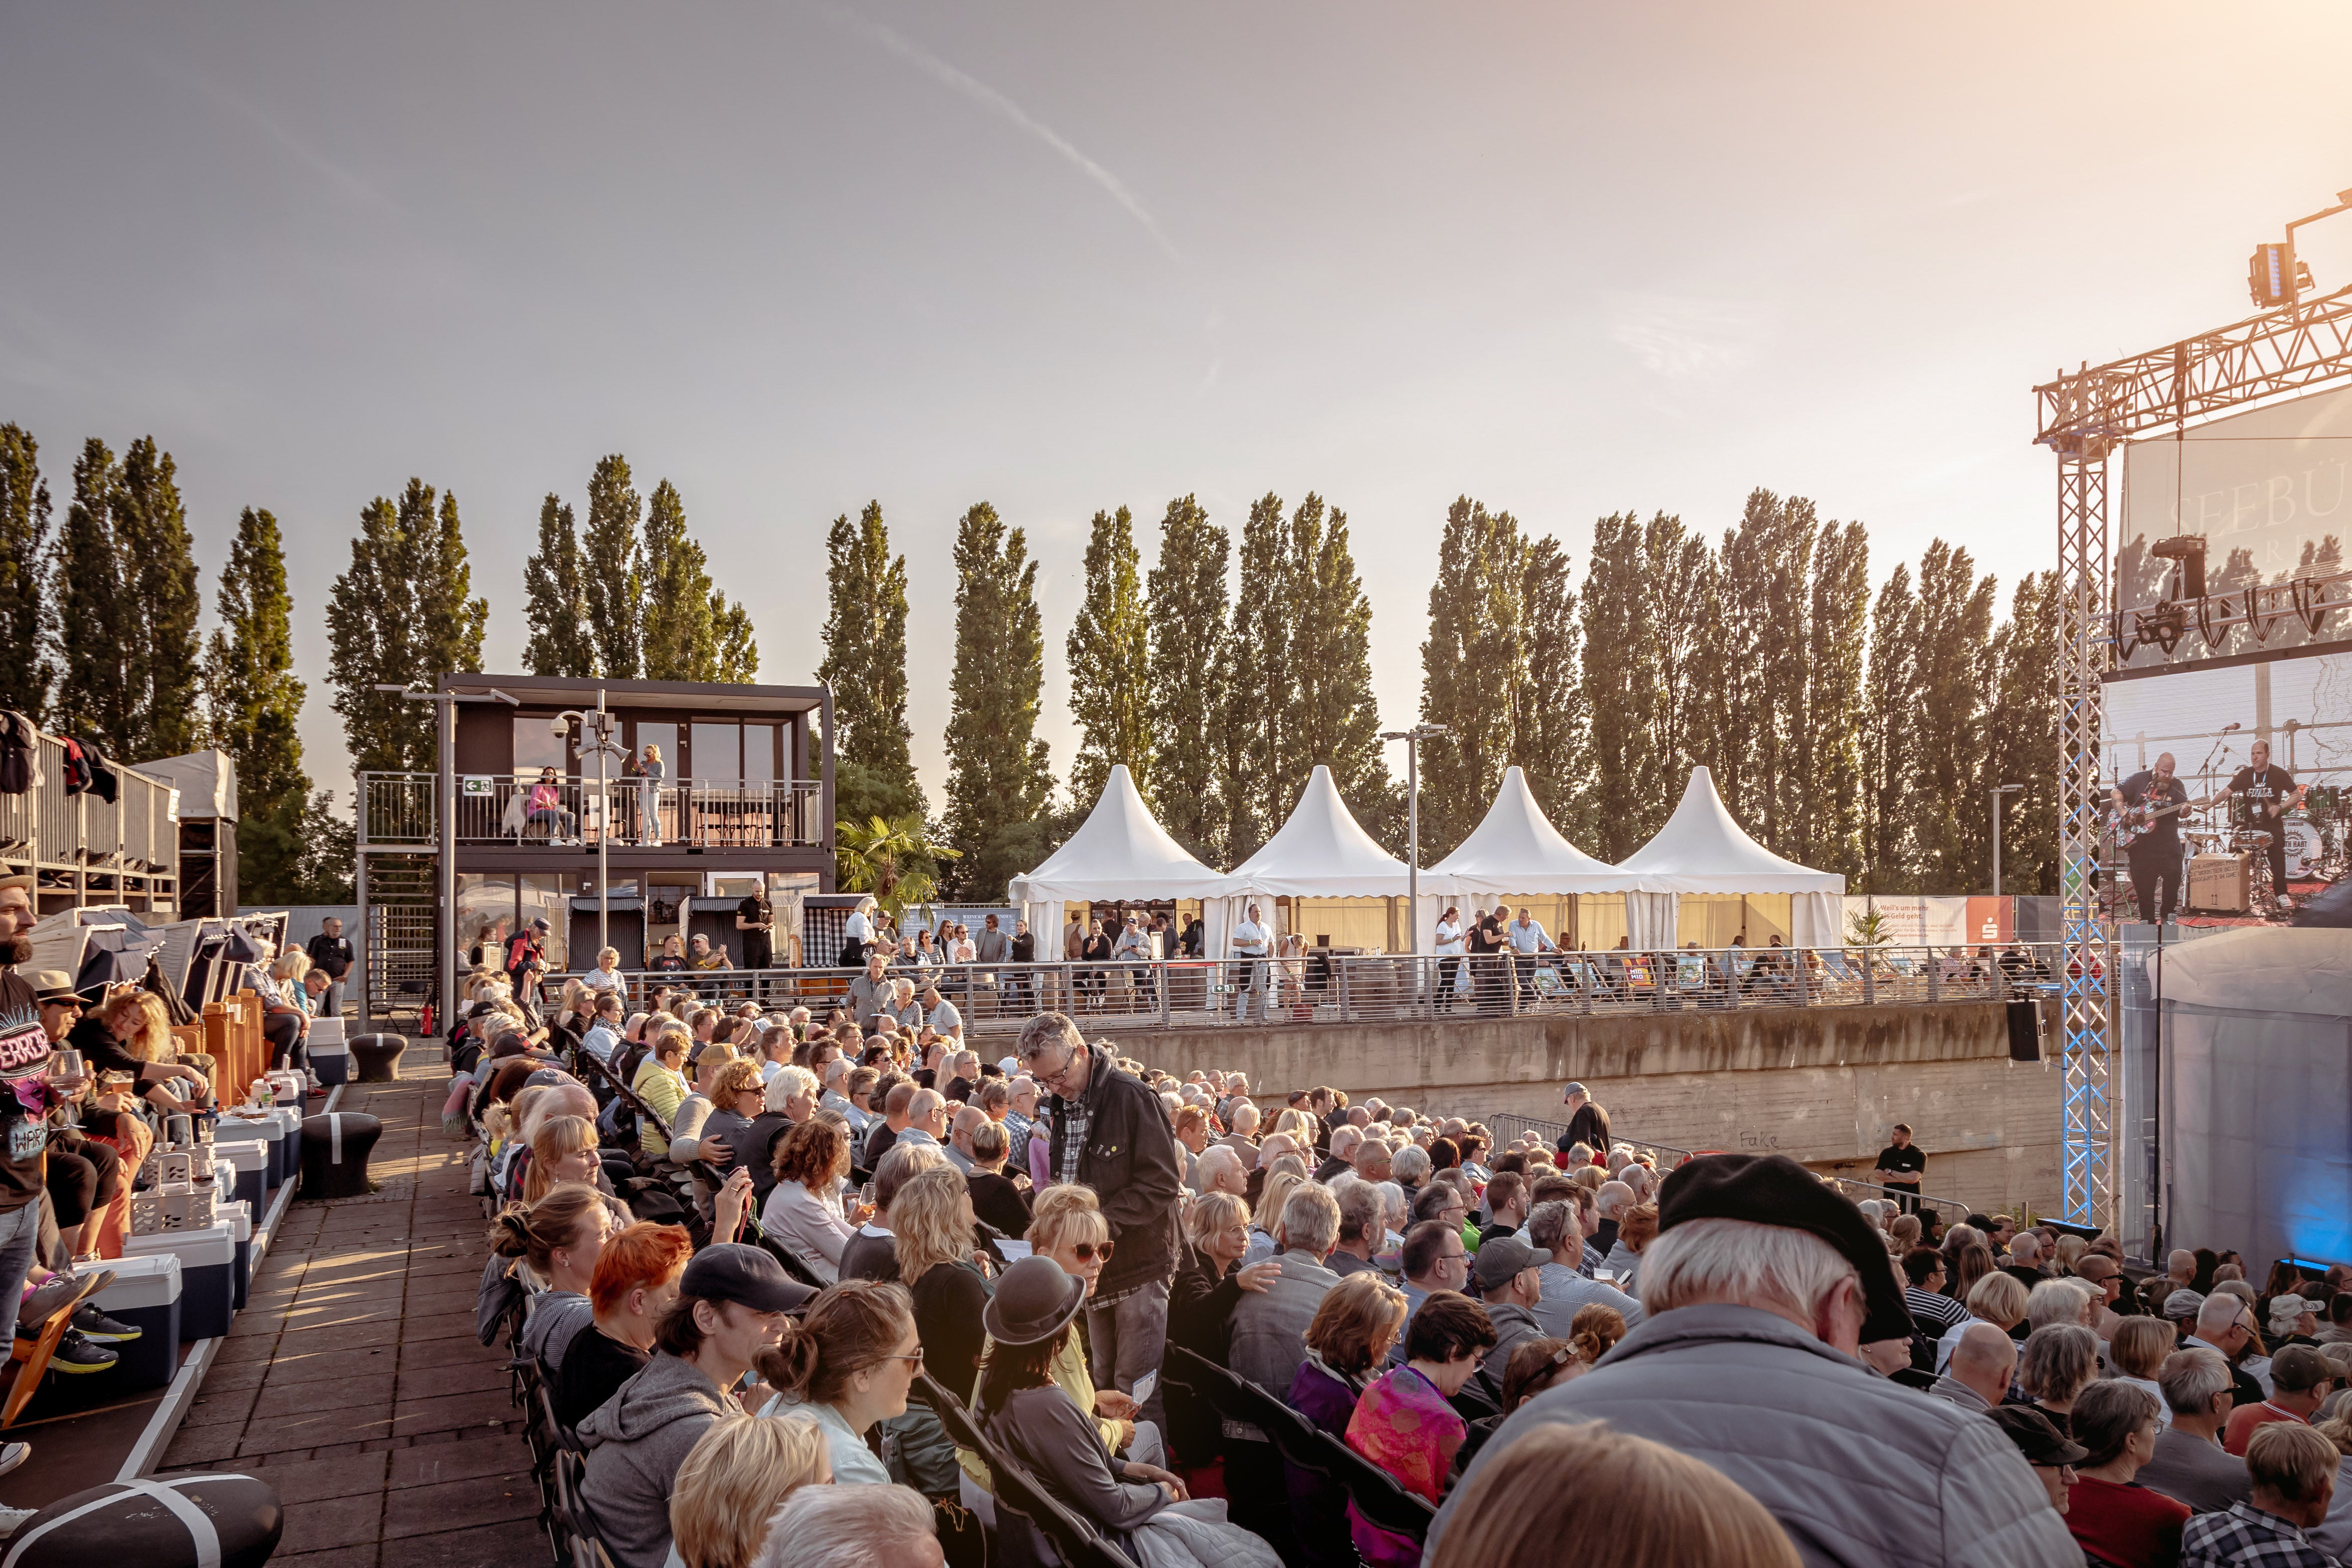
<point x="485" y="915"/>
<point x="536" y="747"/>
<point x="759" y="752"/>
<point x="542" y="899"/>
<point x="717" y="751"/>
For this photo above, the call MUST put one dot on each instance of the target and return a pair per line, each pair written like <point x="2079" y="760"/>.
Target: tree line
<point x="1855" y="731"/>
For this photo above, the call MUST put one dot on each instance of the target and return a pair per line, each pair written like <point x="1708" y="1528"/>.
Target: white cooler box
<point x="266" y="1133"/>
<point x="146" y="1292"/>
<point x="247" y="1162"/>
<point x="207" y="1260"/>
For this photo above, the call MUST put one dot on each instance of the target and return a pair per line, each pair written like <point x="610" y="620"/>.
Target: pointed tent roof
<point x="1323" y="852"/>
<point x="1518" y="850"/>
<point x="1121" y="852"/>
<point x="1702" y="850"/>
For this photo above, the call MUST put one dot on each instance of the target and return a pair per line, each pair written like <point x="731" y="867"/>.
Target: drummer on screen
<point x="2270" y="793"/>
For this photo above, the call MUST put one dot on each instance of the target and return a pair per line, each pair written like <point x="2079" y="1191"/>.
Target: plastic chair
<point x="1379" y="1496"/>
<point x="1077" y="1542"/>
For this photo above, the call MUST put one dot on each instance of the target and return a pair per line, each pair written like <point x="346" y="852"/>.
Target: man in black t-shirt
<point x="756" y="919"/>
<point x="1899" y="1168"/>
<point x="2269" y="794"/>
<point x="2155" y="856"/>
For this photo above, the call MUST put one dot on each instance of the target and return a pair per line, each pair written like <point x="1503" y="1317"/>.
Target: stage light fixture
<point x="2269" y="275"/>
<point x="2188" y="550"/>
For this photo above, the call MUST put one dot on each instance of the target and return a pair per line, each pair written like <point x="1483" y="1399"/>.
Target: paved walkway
<point x="352" y="1382"/>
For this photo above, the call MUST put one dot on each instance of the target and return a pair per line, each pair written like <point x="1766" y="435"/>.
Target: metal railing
<point x="76" y="837"/>
<point x="1317" y="989"/>
<point x="705" y="813"/>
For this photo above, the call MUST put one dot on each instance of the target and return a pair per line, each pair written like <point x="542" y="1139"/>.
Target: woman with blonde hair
<point x="738" y="1473"/>
<point x="131" y="1033"/>
<point x="1996" y="1299"/>
<point x="558" y="1236"/>
<point x="931" y="1230"/>
<point x="1634" y="1504"/>
<point x="846" y="1364"/>
<point x="564" y="1150"/>
<point x="662" y="1084"/>
<point x="606" y="976"/>
<point x="1282" y="1179"/>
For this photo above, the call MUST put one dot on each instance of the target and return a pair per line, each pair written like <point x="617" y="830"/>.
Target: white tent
<point x="1122" y="852"/>
<point x="1702" y="850"/>
<point x="1516" y="851"/>
<point x="1322" y="852"/>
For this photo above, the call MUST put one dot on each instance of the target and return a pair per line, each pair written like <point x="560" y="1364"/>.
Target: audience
<point x="844" y="1365"/>
<point x="1404" y="1422"/>
<point x="2117" y="1521"/>
<point x="2291" y="1480"/>
<point x="739" y="1472"/>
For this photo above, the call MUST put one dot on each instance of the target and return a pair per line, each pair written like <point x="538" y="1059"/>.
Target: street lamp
<point x="1995" y="792"/>
<point x="1412" y="739"/>
<point x="445" y="735"/>
<point x="596" y="732"/>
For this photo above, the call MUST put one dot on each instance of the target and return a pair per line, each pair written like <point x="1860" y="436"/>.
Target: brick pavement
<point x="352" y="1382"/>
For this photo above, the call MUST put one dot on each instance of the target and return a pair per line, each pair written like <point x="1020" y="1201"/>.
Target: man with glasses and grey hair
<point x="1110" y="1131"/>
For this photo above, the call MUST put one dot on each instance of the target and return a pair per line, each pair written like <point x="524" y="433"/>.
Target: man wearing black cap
<point x="531" y="942"/>
<point x="1759" y="1293"/>
<point x="730" y="1306"/>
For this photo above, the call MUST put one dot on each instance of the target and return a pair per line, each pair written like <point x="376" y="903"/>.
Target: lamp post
<point x="1995" y="794"/>
<point x="445" y="805"/>
<point x="596" y="732"/>
<point x="1412" y="739"/>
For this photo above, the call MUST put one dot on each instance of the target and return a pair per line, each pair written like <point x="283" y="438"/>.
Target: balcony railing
<point x="703" y="813"/>
<point x="132" y="835"/>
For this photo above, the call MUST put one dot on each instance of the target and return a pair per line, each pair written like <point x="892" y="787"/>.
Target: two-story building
<point x="723" y="790"/>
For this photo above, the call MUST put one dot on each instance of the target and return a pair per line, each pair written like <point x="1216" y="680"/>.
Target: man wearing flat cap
<point x="1758" y="1294"/>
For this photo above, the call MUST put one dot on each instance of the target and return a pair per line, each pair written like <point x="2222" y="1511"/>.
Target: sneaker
<point x="93" y="1279"/>
<point x="57" y="1291"/>
<point x="13" y="1520"/>
<point x="14" y="1454"/>
<point x="76" y="1355"/>
<point x="93" y="1324"/>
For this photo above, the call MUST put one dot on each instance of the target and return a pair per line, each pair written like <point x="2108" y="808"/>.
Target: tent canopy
<point x="1518" y="850"/>
<point x="1323" y="852"/>
<point x="1121" y="852"/>
<point x="206" y="781"/>
<point x="1702" y="850"/>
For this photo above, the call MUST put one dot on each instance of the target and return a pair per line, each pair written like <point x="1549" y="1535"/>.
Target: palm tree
<point x="893" y="860"/>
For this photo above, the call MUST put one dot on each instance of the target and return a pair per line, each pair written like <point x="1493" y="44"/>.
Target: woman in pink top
<point x="1403" y="1421"/>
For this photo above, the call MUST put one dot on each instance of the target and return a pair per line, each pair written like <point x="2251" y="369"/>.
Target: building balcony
<point x="396" y="812"/>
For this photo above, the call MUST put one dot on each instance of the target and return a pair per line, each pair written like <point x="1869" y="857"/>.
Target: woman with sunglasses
<point x="846" y="1365"/>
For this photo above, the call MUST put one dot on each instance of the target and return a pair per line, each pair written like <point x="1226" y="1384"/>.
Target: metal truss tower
<point x="2081" y="418"/>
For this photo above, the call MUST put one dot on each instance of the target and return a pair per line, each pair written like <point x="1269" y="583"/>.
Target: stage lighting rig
<point x="2273" y="276"/>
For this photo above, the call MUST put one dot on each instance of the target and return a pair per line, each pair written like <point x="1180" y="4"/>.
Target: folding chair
<point x="1379" y="1496"/>
<point x="34" y="1354"/>
<point x="1077" y="1542"/>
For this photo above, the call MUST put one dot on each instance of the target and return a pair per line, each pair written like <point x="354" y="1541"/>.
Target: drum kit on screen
<point x="2228" y="868"/>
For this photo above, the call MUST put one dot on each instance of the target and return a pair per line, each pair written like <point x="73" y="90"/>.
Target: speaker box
<point x="2025" y="1030"/>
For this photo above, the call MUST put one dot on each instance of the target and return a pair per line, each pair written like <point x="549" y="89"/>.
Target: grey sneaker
<point x="14" y="1454"/>
<point x="58" y="1290"/>
<point x="13" y="1520"/>
<point x="76" y="1355"/>
<point x="91" y="1323"/>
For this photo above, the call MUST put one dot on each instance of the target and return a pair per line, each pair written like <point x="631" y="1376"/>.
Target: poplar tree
<point x="158" y="567"/>
<point x="613" y="578"/>
<point x="1473" y="671"/>
<point x="1891" y="741"/>
<point x="1619" y="681"/>
<point x="2023" y="736"/>
<point x="254" y="707"/>
<point x="1955" y="611"/>
<point x="1680" y="583"/>
<point x="738" y="644"/>
<point x="27" y="613"/>
<point x="1334" y="720"/>
<point x="1261" y="692"/>
<point x="1192" y="670"/>
<point x="555" y="598"/>
<point x="675" y="637"/>
<point x="1548" y="736"/>
<point x="401" y="614"/>
<point x="1765" y="588"/>
<point x="97" y="616"/>
<point x="866" y="664"/>
<point x="1108" y="647"/>
<point x="999" y="783"/>
<point x="1836" y="677"/>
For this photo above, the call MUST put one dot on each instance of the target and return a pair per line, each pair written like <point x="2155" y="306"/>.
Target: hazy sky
<point x="1567" y="260"/>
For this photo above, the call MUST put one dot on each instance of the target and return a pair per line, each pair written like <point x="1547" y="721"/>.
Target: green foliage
<point x="865" y="656"/>
<point x="1335" y="720"/>
<point x="1549" y="739"/>
<point x="1868" y="928"/>
<point x="1832" y="825"/>
<point x="330" y="854"/>
<point x="613" y="587"/>
<point x="401" y="614"/>
<point x="1955" y="670"/>
<point x="255" y="704"/>
<point x="1473" y="671"/>
<point x="27" y="613"/>
<point x="673" y="631"/>
<point x="895" y="861"/>
<point x="97" y="617"/>
<point x="1620" y="681"/>
<point x="997" y="771"/>
<point x="1259" y="696"/>
<point x="2024" y="735"/>
<point x="158" y="567"/>
<point x="1765" y="751"/>
<point x="1110" y="674"/>
<point x="555" y="598"/>
<point x="1191" y="669"/>
<point x="1891" y="739"/>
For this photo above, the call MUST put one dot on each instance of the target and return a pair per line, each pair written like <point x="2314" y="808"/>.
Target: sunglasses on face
<point x="1088" y="1251"/>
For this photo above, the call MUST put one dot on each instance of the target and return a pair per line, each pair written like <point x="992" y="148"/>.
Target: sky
<point x="1566" y="259"/>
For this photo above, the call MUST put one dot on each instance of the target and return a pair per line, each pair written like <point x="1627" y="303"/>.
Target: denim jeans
<point x="20" y="1236"/>
<point x="1129" y="1342"/>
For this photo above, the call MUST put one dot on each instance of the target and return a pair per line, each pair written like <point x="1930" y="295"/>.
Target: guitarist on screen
<point x="2270" y="794"/>
<point x="2148" y="823"/>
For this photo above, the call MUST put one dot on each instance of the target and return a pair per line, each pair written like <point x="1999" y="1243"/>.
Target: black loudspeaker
<point x="2025" y="1030"/>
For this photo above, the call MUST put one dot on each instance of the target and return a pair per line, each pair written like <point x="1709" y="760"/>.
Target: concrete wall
<point x="1821" y="1085"/>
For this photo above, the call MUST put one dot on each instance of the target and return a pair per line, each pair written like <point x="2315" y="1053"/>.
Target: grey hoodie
<point x="636" y="1440"/>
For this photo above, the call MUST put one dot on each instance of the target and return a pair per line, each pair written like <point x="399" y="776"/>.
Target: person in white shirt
<point x="1449" y="956"/>
<point x="856" y="935"/>
<point x="941" y="1014"/>
<point x="1528" y="938"/>
<point x="1251" y="942"/>
<point x="607" y="977"/>
<point x="604" y="1031"/>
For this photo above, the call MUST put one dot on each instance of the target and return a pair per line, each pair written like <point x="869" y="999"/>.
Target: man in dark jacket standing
<point x="1111" y="1133"/>
<point x="331" y="950"/>
<point x="1587" y="1122"/>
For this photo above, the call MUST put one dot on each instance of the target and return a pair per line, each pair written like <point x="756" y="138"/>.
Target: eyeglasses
<point x="917" y="1358"/>
<point x="1088" y="1251"/>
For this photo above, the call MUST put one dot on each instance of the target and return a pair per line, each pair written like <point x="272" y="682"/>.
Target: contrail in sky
<point x="988" y="97"/>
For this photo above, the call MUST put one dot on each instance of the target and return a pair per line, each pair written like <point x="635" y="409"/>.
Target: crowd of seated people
<point x="1067" y="1291"/>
